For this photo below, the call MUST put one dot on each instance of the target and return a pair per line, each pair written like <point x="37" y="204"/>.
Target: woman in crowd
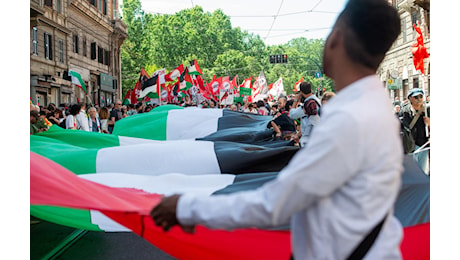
<point x="104" y="117"/>
<point x="71" y="120"/>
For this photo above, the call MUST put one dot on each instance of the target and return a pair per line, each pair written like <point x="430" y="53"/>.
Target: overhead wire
<point x="274" y="19"/>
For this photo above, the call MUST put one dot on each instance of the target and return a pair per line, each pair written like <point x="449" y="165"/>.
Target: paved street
<point x="46" y="237"/>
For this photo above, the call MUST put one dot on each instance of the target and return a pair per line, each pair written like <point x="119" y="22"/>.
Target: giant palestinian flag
<point x="128" y="199"/>
<point x="104" y="182"/>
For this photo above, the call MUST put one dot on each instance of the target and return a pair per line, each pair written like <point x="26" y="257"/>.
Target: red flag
<point x="137" y="88"/>
<point x="226" y="83"/>
<point x="175" y="73"/>
<point x="214" y="83"/>
<point x="247" y="83"/>
<point x="297" y="85"/>
<point x="200" y="84"/>
<point x="127" y="98"/>
<point x="419" y="52"/>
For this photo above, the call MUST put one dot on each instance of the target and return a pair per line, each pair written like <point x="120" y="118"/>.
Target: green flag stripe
<point x="76" y="159"/>
<point x="152" y="125"/>
<point x="81" y="138"/>
<point x="76" y="218"/>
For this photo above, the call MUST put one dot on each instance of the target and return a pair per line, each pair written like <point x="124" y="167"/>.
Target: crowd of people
<point x="80" y="116"/>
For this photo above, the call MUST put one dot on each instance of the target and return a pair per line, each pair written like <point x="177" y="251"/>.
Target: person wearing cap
<point x="419" y="129"/>
<point x="35" y="125"/>
<point x="343" y="184"/>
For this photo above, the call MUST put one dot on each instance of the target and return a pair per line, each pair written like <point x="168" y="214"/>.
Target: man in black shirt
<point x="420" y="126"/>
<point x="115" y="115"/>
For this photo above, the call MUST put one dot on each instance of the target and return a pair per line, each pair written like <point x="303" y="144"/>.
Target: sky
<point x="276" y="22"/>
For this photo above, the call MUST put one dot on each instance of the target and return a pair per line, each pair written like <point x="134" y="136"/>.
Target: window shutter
<point x="93" y="50"/>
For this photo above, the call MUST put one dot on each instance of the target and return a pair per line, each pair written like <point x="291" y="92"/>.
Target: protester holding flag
<point x="342" y="186"/>
<point x="82" y="118"/>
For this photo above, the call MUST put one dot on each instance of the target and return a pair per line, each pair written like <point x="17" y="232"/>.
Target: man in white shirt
<point x="344" y="182"/>
<point x="308" y="111"/>
<point x="82" y="118"/>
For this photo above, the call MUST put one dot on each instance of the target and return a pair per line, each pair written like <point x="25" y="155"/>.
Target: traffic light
<point x="279" y="58"/>
<point x="285" y="60"/>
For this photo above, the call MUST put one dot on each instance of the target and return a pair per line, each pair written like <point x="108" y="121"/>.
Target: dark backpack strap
<point x="363" y="247"/>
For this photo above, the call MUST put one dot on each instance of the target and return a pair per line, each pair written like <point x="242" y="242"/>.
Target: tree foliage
<point x="168" y="40"/>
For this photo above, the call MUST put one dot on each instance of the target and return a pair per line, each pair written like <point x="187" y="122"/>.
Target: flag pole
<point x="424" y="104"/>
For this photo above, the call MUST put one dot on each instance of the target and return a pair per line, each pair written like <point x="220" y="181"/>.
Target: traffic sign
<point x="318" y="74"/>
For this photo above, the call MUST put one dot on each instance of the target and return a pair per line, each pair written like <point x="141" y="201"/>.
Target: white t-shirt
<point x="70" y="122"/>
<point x="82" y="121"/>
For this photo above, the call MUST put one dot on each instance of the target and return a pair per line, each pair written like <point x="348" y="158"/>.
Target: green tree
<point x="166" y="41"/>
<point x="136" y="52"/>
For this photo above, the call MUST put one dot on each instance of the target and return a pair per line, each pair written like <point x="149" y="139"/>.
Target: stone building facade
<point x="397" y="69"/>
<point x="75" y="35"/>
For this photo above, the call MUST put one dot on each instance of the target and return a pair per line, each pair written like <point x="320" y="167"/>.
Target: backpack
<point x="407" y="139"/>
<point x="317" y="101"/>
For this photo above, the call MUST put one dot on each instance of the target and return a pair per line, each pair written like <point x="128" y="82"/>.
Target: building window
<point x="75" y="43"/>
<point x="105" y="7"/>
<point x="99" y="5"/>
<point x="49" y="3"/>
<point x="100" y="55"/>
<point x="61" y="51"/>
<point x="93" y="2"/>
<point x="48" y="46"/>
<point x="93" y="50"/>
<point x="35" y="41"/>
<point x="58" y="6"/>
<point x="114" y="10"/>
<point x="415" y="16"/>
<point x="107" y="58"/>
<point x="84" y="47"/>
<point x="415" y="83"/>
<point x="404" y="30"/>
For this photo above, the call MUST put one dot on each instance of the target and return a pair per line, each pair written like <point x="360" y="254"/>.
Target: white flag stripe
<point x="148" y="90"/>
<point x="166" y="184"/>
<point x="125" y="140"/>
<point x="187" y="156"/>
<point x="105" y="223"/>
<point x="192" y="122"/>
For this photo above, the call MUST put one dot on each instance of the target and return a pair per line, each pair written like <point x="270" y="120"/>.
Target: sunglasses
<point x="418" y="97"/>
